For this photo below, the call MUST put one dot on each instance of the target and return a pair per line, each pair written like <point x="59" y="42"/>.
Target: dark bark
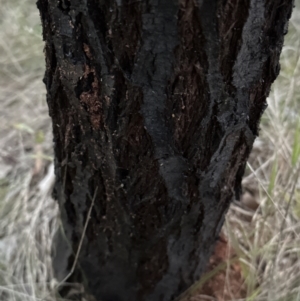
<point x="155" y="105"/>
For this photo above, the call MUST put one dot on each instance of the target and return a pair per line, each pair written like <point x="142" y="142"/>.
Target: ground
<point x="257" y="255"/>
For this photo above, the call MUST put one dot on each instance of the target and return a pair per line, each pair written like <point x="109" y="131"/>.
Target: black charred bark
<point x="155" y="105"/>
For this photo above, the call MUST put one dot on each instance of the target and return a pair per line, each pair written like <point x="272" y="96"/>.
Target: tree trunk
<point x="155" y="106"/>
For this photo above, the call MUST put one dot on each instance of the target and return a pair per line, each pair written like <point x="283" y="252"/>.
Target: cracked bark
<point x="155" y="104"/>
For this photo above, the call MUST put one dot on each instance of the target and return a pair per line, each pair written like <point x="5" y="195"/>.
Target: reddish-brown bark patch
<point x="228" y="283"/>
<point x="91" y="100"/>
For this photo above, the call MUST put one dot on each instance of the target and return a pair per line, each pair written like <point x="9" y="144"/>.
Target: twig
<point x="79" y="246"/>
<point x="81" y="241"/>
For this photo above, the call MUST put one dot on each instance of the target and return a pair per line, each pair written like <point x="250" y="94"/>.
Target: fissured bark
<point x="155" y="106"/>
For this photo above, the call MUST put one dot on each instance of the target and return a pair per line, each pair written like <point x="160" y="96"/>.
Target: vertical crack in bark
<point x="188" y="99"/>
<point x="227" y="127"/>
<point x="232" y="15"/>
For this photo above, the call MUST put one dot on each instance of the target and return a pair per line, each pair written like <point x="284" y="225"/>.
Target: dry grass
<point x="266" y="239"/>
<point x="28" y="215"/>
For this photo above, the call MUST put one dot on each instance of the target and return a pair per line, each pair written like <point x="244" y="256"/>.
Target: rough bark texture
<point x="155" y="105"/>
